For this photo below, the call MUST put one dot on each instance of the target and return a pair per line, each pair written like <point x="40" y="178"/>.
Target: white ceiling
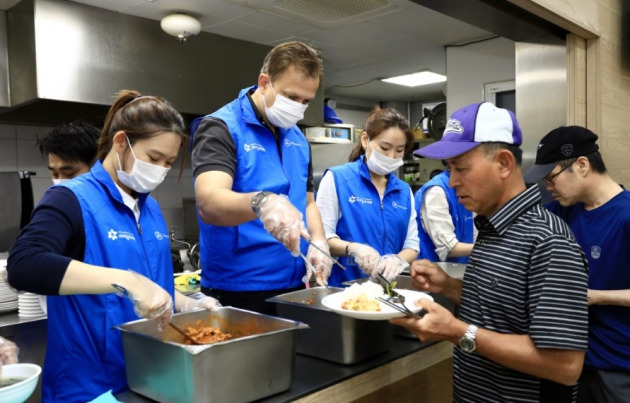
<point x="398" y="37"/>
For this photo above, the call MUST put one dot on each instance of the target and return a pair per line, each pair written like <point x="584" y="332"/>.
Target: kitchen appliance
<point x="16" y="205"/>
<point x="330" y="133"/>
<point x="326" y="155"/>
<point x="436" y="120"/>
<point x="258" y="362"/>
<point x="332" y="337"/>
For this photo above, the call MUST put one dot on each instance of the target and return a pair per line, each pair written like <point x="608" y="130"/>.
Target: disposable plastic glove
<point x="321" y="263"/>
<point x="199" y="304"/>
<point x="282" y="220"/>
<point x="391" y="266"/>
<point x="366" y="257"/>
<point x="8" y="352"/>
<point x="150" y="301"/>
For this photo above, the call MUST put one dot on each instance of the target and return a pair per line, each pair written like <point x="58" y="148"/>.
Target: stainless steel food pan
<point x="257" y="363"/>
<point x="452" y="269"/>
<point x="331" y="336"/>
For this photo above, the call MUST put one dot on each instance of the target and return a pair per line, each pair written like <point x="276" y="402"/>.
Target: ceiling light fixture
<point x="416" y="79"/>
<point x="181" y="26"/>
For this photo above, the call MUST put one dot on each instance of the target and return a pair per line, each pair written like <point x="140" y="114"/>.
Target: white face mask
<point x="381" y="164"/>
<point x="144" y="177"/>
<point x="58" y="181"/>
<point x="284" y="112"/>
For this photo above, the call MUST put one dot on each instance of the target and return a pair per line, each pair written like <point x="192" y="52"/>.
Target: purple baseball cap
<point x="472" y="125"/>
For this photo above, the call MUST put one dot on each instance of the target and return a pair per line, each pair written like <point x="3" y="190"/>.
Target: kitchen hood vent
<point x="66" y="61"/>
<point x="323" y="13"/>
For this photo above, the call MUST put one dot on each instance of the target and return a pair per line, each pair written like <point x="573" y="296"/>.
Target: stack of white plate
<point x="29" y="306"/>
<point x="8" y="297"/>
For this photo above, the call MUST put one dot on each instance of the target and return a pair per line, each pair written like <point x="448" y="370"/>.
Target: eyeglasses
<point x="549" y="179"/>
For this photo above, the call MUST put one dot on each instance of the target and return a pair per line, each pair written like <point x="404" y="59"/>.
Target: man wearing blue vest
<point x="254" y="186"/>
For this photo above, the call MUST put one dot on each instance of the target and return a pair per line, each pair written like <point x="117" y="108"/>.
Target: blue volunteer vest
<point x="84" y="356"/>
<point x="246" y="257"/>
<point x="462" y="219"/>
<point x="365" y="219"/>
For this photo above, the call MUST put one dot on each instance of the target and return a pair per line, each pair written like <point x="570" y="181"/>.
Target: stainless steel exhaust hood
<point x="66" y="61"/>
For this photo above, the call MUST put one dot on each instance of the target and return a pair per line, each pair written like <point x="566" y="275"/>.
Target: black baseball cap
<point x="560" y="144"/>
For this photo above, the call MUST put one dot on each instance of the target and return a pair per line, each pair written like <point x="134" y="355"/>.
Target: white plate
<point x="334" y="301"/>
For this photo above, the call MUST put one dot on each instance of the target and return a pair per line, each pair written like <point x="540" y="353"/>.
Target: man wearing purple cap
<point x="598" y="211"/>
<point x="522" y="326"/>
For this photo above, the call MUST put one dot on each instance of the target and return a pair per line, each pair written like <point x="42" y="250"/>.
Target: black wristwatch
<point x="467" y="343"/>
<point x="258" y="199"/>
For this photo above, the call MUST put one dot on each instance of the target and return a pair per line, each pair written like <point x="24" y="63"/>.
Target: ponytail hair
<point x="141" y="117"/>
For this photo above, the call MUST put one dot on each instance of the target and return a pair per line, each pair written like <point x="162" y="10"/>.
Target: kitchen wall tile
<point x="170" y="193"/>
<point x="174" y="217"/>
<point x="19" y="152"/>
<point x="40" y="184"/>
<point x="30" y="159"/>
<point x="32" y="132"/>
<point x="8" y="155"/>
<point x="186" y="173"/>
<point x="7" y="132"/>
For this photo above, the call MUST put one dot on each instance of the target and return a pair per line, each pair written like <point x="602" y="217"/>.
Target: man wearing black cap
<point x="598" y="211"/>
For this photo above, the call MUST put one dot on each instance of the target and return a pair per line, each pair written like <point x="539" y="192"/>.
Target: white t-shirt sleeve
<point x="328" y="205"/>
<point x="412" y="241"/>
<point x="437" y="221"/>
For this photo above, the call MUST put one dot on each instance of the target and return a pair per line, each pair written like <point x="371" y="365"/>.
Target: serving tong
<point x="310" y="266"/>
<point x="388" y="287"/>
<point x="394" y="298"/>
<point x="328" y="255"/>
<point x="400" y="308"/>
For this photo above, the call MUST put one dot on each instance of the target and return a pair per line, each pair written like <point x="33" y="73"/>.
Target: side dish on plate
<point x="362" y="297"/>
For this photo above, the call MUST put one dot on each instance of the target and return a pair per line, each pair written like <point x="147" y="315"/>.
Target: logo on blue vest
<point x="289" y="143"/>
<point x="396" y="205"/>
<point x="159" y="236"/>
<point x="114" y="235"/>
<point x="254" y="147"/>
<point x="355" y="199"/>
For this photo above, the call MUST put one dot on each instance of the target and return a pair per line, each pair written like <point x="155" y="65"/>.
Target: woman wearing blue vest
<point x="98" y="230"/>
<point x="445" y="227"/>
<point x="368" y="213"/>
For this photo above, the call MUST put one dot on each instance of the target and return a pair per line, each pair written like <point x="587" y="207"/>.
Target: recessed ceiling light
<point x="416" y="79"/>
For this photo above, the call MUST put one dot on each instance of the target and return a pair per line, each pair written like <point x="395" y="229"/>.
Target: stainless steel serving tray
<point x="257" y="363"/>
<point x="331" y="336"/>
<point x="452" y="269"/>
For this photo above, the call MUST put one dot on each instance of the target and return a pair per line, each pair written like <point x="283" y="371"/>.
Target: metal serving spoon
<point x="180" y="331"/>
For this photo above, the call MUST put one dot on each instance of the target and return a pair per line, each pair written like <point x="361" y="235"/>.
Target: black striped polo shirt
<point x="526" y="275"/>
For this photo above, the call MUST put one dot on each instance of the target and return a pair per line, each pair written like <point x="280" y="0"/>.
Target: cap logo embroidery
<point x="566" y="149"/>
<point x="453" y="126"/>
